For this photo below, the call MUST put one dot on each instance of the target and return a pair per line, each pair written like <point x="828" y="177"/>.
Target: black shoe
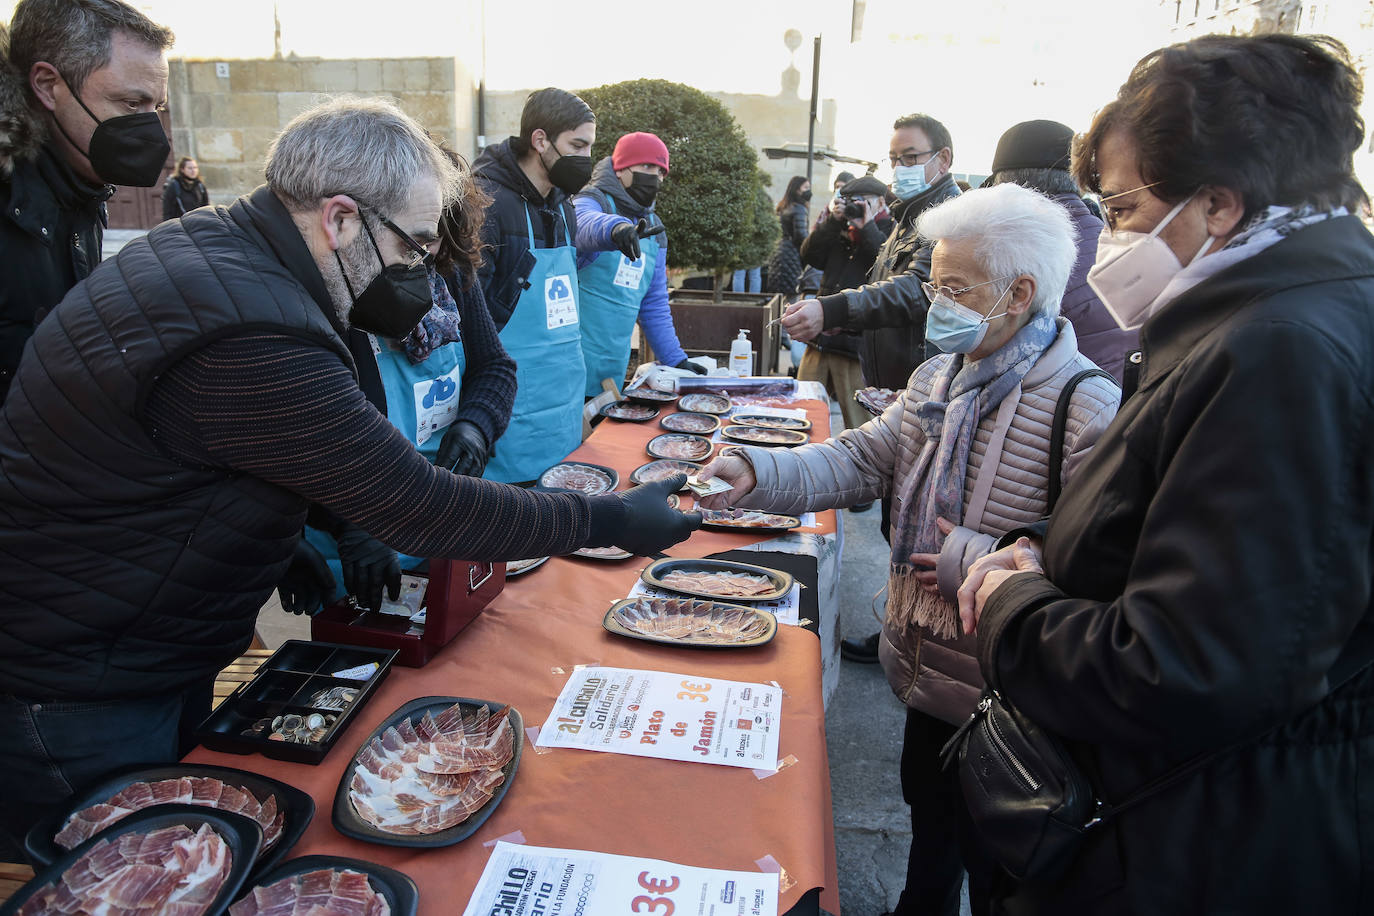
<point x="863" y="651"/>
<point x="861" y="507"/>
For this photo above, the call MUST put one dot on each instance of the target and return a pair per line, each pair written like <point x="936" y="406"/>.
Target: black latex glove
<point x="626" y="238"/>
<point x="463" y="449"/>
<point x="695" y="367"/>
<point x="307" y="585"/>
<point x="368" y="566"/>
<point x="650" y="523"/>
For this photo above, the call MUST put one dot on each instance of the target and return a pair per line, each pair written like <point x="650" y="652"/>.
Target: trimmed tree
<point x="708" y="201"/>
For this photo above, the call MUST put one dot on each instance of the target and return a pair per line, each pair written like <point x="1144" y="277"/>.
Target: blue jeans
<point x="52" y="750"/>
<point x="748" y="280"/>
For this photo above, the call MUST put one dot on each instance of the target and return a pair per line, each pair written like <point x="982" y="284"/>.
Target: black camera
<point x="853" y="209"/>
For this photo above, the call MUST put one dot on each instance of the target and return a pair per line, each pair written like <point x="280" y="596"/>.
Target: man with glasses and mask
<point x="80" y="88"/>
<point x="200" y="413"/>
<point x="890" y="310"/>
<point x="530" y="276"/>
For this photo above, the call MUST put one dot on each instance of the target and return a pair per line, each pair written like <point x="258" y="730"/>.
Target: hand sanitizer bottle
<point x="741" y="355"/>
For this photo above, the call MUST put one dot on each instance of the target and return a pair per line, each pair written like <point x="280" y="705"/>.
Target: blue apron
<point x="544" y="338"/>
<point x="421" y="402"/>
<point x="612" y="288"/>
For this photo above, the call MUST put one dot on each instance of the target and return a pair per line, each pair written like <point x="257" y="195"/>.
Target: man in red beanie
<point x="626" y="279"/>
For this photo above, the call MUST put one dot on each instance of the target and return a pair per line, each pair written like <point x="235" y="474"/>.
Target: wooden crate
<point x="706" y="328"/>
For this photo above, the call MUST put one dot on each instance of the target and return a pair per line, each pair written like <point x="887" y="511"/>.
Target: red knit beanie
<point x="639" y="148"/>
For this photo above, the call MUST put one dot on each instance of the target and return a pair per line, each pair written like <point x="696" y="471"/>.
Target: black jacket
<point x="179" y="196"/>
<point x="125" y="572"/>
<point x="1209" y="580"/>
<point x="507" y="263"/>
<point x="844" y="264"/>
<point x="891" y="309"/>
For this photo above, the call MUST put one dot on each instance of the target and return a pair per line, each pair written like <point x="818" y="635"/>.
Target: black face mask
<point x="570" y="173"/>
<point x="394" y="302"/>
<point x="643" y="188"/>
<point x="805" y="196"/>
<point x="128" y="150"/>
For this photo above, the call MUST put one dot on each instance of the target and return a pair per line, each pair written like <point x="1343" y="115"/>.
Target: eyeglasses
<point x="933" y="291"/>
<point x="909" y="159"/>
<point x="1110" y="213"/>
<point x="419" y="254"/>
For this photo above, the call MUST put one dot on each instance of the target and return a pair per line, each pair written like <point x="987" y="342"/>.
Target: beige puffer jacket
<point x="1006" y="488"/>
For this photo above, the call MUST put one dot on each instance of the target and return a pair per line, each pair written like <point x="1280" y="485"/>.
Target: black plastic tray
<point x="282" y="685"/>
<point x="731" y="432"/>
<point x="346" y="820"/>
<point x="241" y="833"/>
<point x="511" y="573"/>
<point x="615" y="626"/>
<point x="646" y="395"/>
<point x="611" y="472"/>
<point x="706" y="522"/>
<point x="694" y="407"/>
<point x="609" y="411"/>
<point x="607" y="558"/>
<point x="653" y="575"/>
<point x="297" y="807"/>
<point x="654" y="445"/>
<point x="401" y="894"/>
<point x="771" y="422"/>
<point x="668" y="421"/>
<point x="636" y="478"/>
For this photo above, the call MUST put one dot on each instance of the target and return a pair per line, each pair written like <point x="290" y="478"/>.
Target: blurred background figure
<point x="183" y="191"/>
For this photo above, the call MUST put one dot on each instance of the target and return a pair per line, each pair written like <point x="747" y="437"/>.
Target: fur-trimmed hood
<point x="22" y="132"/>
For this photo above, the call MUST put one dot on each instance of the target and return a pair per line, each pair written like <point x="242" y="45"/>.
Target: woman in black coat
<point x="784" y="267"/>
<point x="183" y="190"/>
<point x="1207" y="576"/>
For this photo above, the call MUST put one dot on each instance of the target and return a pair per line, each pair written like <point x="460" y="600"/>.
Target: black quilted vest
<point x="123" y="572"/>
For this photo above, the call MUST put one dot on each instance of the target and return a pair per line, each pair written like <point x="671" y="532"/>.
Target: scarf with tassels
<point x="960" y="394"/>
<point x="439" y="327"/>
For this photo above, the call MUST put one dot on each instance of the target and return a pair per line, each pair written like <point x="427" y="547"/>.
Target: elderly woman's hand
<point x="926" y="563"/>
<point x="735" y="471"/>
<point x="988" y="572"/>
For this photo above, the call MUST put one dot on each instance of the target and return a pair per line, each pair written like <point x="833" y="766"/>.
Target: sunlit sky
<point x="977" y="65"/>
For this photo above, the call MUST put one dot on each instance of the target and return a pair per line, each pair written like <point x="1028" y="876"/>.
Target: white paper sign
<point x="668" y="716"/>
<point x="560" y="305"/>
<point x="538" y="881"/>
<point x="629" y="273"/>
<point x="789" y="413"/>
<point x="786" y="608"/>
<point x="436" y="404"/>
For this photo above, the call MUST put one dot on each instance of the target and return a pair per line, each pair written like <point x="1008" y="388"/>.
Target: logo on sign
<point x="556" y="288"/>
<point x="439" y="391"/>
<point x="727" y="894"/>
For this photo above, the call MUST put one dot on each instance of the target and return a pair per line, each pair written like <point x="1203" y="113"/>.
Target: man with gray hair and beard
<point x="175" y="415"/>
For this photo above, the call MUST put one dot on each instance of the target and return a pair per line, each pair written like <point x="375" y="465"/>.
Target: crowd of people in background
<point x="1126" y="480"/>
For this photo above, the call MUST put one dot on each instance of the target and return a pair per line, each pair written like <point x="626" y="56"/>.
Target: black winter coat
<point x="178" y="197"/>
<point x="507" y="262"/>
<point x="891" y="309"/>
<point x="1209" y="580"/>
<point x="844" y="263"/>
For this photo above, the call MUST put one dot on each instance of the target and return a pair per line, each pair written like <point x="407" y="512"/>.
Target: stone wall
<point x="227" y="122"/>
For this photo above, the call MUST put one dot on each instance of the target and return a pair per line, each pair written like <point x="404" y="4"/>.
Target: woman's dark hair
<point x="1275" y="118"/>
<point x="553" y="111"/>
<point x="793" y="193"/>
<point x="181" y="163"/>
<point x="460" y="227"/>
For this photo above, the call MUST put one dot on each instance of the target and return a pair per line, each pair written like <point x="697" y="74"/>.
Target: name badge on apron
<point x="560" y="305"/>
<point x="436" y="405"/>
<point x="629" y="273"/>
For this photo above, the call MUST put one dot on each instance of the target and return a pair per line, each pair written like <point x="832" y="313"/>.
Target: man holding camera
<point x="843" y="247"/>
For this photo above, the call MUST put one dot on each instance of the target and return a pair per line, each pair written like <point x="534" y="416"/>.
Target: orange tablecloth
<point x="520" y="651"/>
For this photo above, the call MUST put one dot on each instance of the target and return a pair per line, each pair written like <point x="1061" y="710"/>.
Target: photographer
<point x="843" y="247"/>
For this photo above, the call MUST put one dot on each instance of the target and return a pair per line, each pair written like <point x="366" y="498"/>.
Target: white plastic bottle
<point x="741" y="355"/>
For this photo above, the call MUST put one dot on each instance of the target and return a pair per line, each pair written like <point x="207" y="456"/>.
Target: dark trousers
<point x="943" y="845"/>
<point x="52" y="750"/>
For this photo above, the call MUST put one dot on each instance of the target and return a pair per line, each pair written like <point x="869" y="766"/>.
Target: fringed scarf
<point x="959" y="396"/>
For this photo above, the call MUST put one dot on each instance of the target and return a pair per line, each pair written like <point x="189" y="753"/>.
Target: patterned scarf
<point x="439" y="327"/>
<point x="962" y="392"/>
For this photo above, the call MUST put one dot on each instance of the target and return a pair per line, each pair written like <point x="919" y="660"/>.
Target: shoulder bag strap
<point x="1061" y="420"/>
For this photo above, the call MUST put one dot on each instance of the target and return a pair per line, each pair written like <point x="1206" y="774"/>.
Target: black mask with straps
<point x="128" y="150"/>
<point x="394" y="302"/>
<point x="643" y="188"/>
<point x="570" y="173"/>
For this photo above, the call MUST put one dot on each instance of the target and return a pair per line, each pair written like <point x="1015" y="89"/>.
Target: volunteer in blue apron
<point x="626" y="277"/>
<point x="530" y="277"/>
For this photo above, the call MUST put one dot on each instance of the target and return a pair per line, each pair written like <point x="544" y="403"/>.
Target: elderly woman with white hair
<point x="964" y="453"/>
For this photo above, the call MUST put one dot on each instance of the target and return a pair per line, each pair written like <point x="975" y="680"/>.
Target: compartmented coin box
<point x="299" y="703"/>
<point x="456" y="593"/>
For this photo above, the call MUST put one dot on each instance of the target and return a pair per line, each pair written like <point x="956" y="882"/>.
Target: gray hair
<point x="366" y="148"/>
<point x="1047" y="181"/>
<point x="1016" y="231"/>
<point x="75" y="35"/>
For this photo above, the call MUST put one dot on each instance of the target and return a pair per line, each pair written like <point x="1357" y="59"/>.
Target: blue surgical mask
<point x="955" y="328"/>
<point x="909" y="181"/>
